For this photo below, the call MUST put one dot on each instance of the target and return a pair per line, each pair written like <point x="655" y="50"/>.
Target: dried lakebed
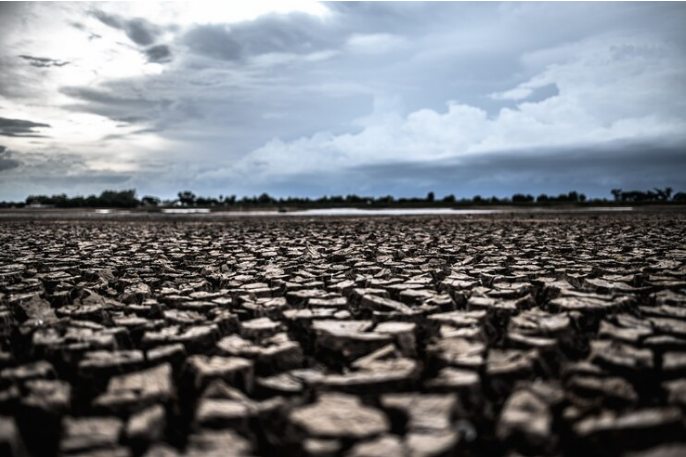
<point x="417" y="336"/>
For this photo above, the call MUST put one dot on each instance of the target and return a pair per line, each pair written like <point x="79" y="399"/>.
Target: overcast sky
<point x="305" y="98"/>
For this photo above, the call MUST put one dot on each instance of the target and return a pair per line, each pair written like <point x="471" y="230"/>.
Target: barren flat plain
<point x="506" y="334"/>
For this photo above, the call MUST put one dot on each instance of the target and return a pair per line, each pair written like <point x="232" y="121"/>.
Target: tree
<point x="150" y="201"/>
<point x="663" y="194"/>
<point x="118" y="199"/>
<point x="265" y="198"/>
<point x="430" y="197"/>
<point x="187" y="198"/>
<point x="386" y="200"/>
<point x="521" y="198"/>
<point x="616" y="193"/>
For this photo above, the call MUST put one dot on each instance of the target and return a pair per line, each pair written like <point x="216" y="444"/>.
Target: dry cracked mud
<point x="408" y="336"/>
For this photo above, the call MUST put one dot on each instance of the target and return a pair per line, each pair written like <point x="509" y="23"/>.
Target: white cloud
<point x="619" y="88"/>
<point x="518" y="93"/>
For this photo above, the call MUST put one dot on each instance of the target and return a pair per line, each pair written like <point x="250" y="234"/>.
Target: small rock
<point x="526" y="421"/>
<point x="313" y="447"/>
<point x="339" y="416"/>
<point x="424" y="411"/>
<point x="385" y="445"/>
<point x="136" y="391"/>
<point x="89" y="433"/>
<point x="259" y="329"/>
<point x="225" y="443"/>
<point x="666" y="450"/>
<point x="349" y="339"/>
<point x="11" y="443"/>
<point x="27" y="372"/>
<point x="431" y="444"/>
<point x="376" y="303"/>
<point x="674" y="364"/>
<point x="458" y="352"/>
<point x="619" y="356"/>
<point x="634" y="428"/>
<point x="465" y="383"/>
<point x="236" y="371"/>
<point x="98" y="364"/>
<point x="147" y="426"/>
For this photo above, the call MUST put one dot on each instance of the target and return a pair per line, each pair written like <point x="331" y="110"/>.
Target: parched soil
<point x="407" y="336"/>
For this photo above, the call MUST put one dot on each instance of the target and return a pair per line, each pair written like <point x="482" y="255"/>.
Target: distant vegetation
<point x="128" y="199"/>
<point x="107" y="199"/>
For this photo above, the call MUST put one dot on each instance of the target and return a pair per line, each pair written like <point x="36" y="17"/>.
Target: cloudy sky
<point x="306" y="98"/>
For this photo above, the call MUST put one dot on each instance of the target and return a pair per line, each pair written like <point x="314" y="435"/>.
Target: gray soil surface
<point x="530" y="334"/>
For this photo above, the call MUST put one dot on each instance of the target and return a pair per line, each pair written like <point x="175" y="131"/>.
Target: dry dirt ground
<point x="407" y="336"/>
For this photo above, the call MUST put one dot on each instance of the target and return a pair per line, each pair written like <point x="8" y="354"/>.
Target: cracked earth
<point x="409" y="336"/>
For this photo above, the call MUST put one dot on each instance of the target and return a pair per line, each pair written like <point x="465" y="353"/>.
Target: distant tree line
<point x="107" y="199"/>
<point x="127" y="199"/>
<point x="655" y="195"/>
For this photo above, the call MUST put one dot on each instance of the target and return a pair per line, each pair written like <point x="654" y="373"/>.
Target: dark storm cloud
<point x="590" y="170"/>
<point x="111" y="104"/>
<point x="553" y="170"/>
<point x="214" y="41"/>
<point x="6" y="160"/>
<point x="20" y="128"/>
<point x="43" y="62"/>
<point x="300" y="33"/>
<point x="274" y="33"/>
<point x="158" y="54"/>
<point x="138" y="30"/>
